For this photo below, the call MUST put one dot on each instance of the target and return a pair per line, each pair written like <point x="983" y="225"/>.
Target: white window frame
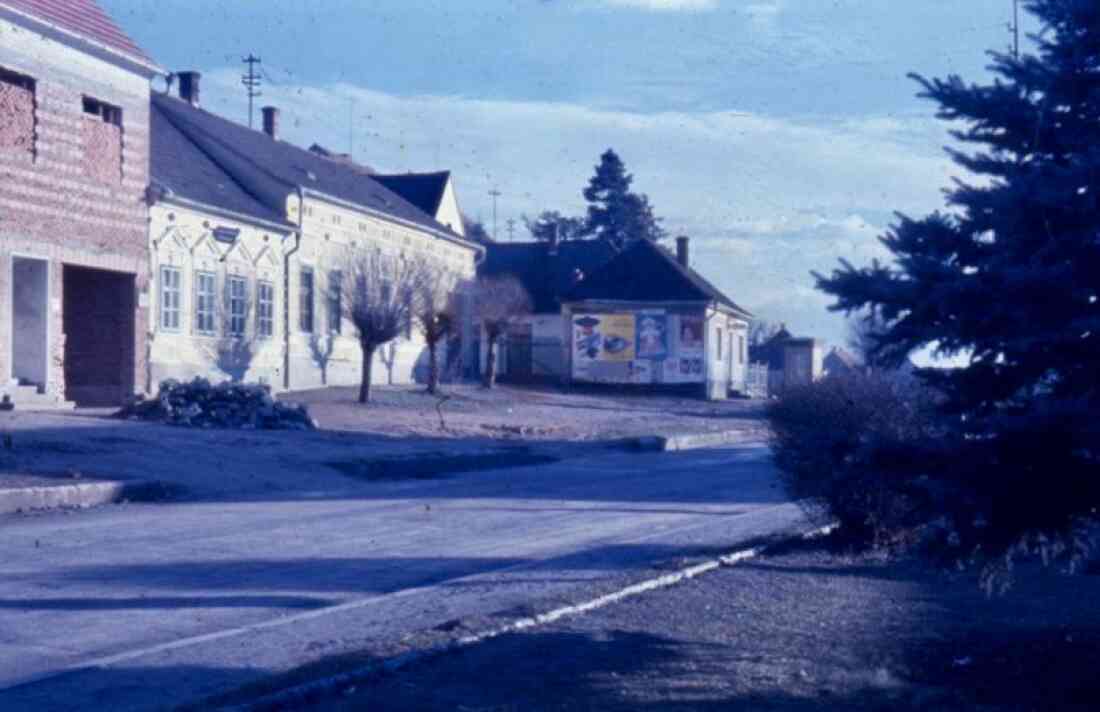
<point x="265" y="309"/>
<point x="334" y="302"/>
<point x="206" y="304"/>
<point x="171" y="298"/>
<point x="311" y="302"/>
<point x="236" y="291"/>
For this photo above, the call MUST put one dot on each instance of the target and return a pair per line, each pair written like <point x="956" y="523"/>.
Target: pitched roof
<point x="545" y="277"/>
<point x="179" y="165"/>
<point x="424" y="190"/>
<point x="270" y="169"/>
<point x="646" y="272"/>
<point x="84" y="18"/>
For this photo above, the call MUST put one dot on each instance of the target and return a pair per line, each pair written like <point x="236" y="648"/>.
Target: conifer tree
<point x="1007" y="277"/>
<point x="615" y="213"/>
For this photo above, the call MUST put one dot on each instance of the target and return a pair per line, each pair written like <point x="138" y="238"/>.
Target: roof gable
<point x="270" y="169"/>
<point x="179" y="165"/>
<point x="84" y="18"/>
<point x="424" y="190"/>
<point x="646" y="272"/>
<point x="545" y="276"/>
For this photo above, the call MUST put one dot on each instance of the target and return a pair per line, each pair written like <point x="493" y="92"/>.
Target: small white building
<point x="306" y="215"/>
<point x="647" y="318"/>
<point x="218" y="258"/>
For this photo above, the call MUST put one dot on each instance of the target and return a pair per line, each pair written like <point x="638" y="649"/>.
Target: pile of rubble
<point x="198" y="404"/>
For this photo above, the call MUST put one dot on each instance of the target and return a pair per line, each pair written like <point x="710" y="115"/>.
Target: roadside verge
<point x="304" y="693"/>
<point x="79" y="495"/>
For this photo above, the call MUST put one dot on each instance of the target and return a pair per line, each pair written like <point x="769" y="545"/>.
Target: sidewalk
<point x="806" y="630"/>
<point x="86" y="457"/>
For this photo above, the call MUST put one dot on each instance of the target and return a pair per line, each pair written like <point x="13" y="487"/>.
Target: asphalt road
<point x="144" y="606"/>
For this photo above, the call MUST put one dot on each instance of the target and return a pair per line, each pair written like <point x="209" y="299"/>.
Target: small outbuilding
<point x="646" y="317"/>
<point x="790" y="360"/>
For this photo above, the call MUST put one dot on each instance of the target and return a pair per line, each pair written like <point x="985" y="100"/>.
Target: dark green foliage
<point x="1009" y="279"/>
<point x="615" y="213"/>
<point x="475" y="231"/>
<point x="857" y="449"/>
<point x="551" y="225"/>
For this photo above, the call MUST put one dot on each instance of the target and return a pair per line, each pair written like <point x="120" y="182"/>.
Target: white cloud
<point x="663" y="5"/>
<point x="766" y="199"/>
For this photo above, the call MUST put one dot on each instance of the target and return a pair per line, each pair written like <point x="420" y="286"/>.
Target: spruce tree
<point x="615" y="213"/>
<point x="1007" y="278"/>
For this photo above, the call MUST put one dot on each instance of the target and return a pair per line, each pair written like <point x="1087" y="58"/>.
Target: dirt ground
<point x="806" y="630"/>
<point x="511" y="412"/>
<point x="480" y="429"/>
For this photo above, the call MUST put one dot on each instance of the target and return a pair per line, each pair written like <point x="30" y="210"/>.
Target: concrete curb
<point x="300" y="694"/>
<point x="687" y="441"/>
<point x="78" y="495"/>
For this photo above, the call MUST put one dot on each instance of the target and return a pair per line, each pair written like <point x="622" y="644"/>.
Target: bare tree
<point x="236" y="346"/>
<point x="379" y="297"/>
<point x="498" y="302"/>
<point x="437" y="312"/>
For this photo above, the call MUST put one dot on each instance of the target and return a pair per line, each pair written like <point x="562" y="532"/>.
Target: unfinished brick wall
<point x="102" y="150"/>
<point x="16" y="119"/>
<point x="75" y="194"/>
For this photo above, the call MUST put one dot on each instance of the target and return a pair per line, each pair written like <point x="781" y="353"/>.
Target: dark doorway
<point x="98" y="323"/>
<point x="518" y="363"/>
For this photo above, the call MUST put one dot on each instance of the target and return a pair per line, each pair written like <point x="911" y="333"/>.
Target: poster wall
<point x="643" y="346"/>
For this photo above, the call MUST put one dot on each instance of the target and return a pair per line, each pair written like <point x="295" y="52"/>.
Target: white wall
<point x="448" y="213"/>
<point x="182" y="238"/>
<point x="30" y="318"/>
<point x="331" y="234"/>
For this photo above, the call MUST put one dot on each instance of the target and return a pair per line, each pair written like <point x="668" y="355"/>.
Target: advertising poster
<point x="652" y="336"/>
<point x="618" y="337"/>
<point x="691" y="336"/>
<point x="587" y="341"/>
<point x="603" y="346"/>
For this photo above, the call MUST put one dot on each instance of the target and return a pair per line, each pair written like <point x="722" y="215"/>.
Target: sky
<point x="780" y="135"/>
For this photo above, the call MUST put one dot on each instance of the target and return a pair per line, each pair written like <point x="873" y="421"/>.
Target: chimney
<point x="553" y="247"/>
<point x="271" y="121"/>
<point x="189" y="86"/>
<point x="682" y="250"/>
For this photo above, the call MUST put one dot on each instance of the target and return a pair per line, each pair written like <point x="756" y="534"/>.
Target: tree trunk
<point x="490" y="378"/>
<point x="433" y="366"/>
<point x="367" y="367"/>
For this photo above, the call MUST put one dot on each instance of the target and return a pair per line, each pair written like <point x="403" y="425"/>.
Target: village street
<point x="142" y="606"/>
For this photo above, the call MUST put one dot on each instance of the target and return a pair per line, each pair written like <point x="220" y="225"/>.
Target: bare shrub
<point x="857" y="449"/>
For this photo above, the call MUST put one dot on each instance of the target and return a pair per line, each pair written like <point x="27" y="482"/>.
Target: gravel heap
<point x="198" y="404"/>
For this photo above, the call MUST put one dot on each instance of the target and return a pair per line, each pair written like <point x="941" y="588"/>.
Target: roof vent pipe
<point x="271" y="121"/>
<point x="682" y="250"/>
<point x="189" y="86"/>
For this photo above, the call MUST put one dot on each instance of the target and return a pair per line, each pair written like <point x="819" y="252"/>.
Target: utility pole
<point x="511" y="225"/>
<point x="1016" y="28"/>
<point x="351" y="128"/>
<point x="496" y="194"/>
<point x="251" y="81"/>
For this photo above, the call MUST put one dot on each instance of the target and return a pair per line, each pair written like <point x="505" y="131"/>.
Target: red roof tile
<point x="83" y="17"/>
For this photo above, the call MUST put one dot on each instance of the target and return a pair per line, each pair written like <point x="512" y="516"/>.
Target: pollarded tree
<point x="380" y="294"/>
<point x="1009" y="279"/>
<point x="498" y="302"/>
<point x="615" y="213"/>
<point x="437" y="314"/>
